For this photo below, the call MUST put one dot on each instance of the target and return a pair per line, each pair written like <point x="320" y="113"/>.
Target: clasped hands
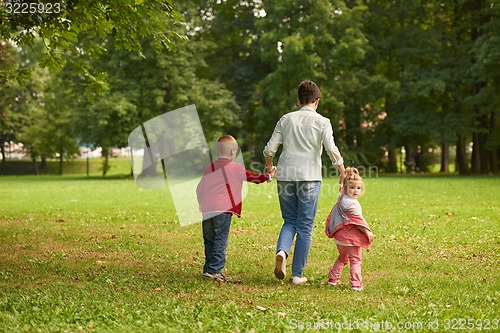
<point x="271" y="169"/>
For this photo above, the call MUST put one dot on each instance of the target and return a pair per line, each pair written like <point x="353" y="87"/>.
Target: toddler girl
<point x="351" y="232"/>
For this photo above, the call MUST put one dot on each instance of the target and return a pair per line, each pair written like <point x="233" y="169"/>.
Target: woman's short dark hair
<point x="308" y="92"/>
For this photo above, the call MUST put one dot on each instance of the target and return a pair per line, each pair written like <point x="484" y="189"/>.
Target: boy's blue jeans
<point x="298" y="202"/>
<point x="215" y="237"/>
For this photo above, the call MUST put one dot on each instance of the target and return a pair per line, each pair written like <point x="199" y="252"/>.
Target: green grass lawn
<point x="99" y="255"/>
<point x="79" y="166"/>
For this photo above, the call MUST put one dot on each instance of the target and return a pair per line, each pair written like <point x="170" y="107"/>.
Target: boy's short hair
<point x="308" y="92"/>
<point x="224" y="145"/>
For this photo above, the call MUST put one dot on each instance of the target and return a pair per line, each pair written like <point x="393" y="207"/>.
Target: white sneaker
<point x="280" y="266"/>
<point x="299" y="280"/>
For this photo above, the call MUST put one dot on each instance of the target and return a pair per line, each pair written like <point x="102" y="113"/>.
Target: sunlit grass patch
<point x="105" y="255"/>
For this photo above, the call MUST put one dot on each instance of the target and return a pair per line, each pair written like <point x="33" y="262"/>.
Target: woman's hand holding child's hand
<point x="271" y="170"/>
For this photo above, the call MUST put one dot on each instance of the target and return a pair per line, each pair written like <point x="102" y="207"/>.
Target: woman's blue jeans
<point x="298" y="202"/>
<point x="216" y="236"/>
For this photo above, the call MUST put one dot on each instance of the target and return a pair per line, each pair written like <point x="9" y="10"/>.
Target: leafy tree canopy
<point x="74" y="32"/>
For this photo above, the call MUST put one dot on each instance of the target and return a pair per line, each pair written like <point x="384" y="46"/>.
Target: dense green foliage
<point x="73" y="31"/>
<point x="105" y="256"/>
<point x="417" y="76"/>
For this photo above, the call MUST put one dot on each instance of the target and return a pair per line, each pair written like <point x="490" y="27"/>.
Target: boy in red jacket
<point x="219" y="197"/>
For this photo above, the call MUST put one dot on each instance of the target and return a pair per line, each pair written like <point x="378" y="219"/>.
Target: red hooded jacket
<point x="219" y="190"/>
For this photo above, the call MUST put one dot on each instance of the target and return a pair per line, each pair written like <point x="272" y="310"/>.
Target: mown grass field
<point x="97" y="255"/>
<point x="78" y="166"/>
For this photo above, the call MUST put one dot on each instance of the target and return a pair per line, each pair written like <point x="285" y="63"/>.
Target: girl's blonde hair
<point x="351" y="175"/>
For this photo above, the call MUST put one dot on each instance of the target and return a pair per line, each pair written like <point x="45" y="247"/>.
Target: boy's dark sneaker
<point x="220" y="277"/>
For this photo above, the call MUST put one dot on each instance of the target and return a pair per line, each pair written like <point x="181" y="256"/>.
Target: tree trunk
<point x="461" y="160"/>
<point x="480" y="136"/>
<point x="35" y="166"/>
<point x="493" y="158"/>
<point x="445" y="157"/>
<point x="393" y="161"/>
<point x="409" y="163"/>
<point x="2" y="149"/>
<point x="420" y="159"/>
<point x="43" y="163"/>
<point x="391" y="149"/>
<point x="483" y="149"/>
<point x="480" y="156"/>
<point x="475" y="159"/>
<point x="105" y="163"/>
<point x="61" y="159"/>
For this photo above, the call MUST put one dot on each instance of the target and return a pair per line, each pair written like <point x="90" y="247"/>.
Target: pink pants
<point x="353" y="255"/>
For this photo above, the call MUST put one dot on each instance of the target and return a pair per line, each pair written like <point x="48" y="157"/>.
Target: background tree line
<point x="416" y="74"/>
